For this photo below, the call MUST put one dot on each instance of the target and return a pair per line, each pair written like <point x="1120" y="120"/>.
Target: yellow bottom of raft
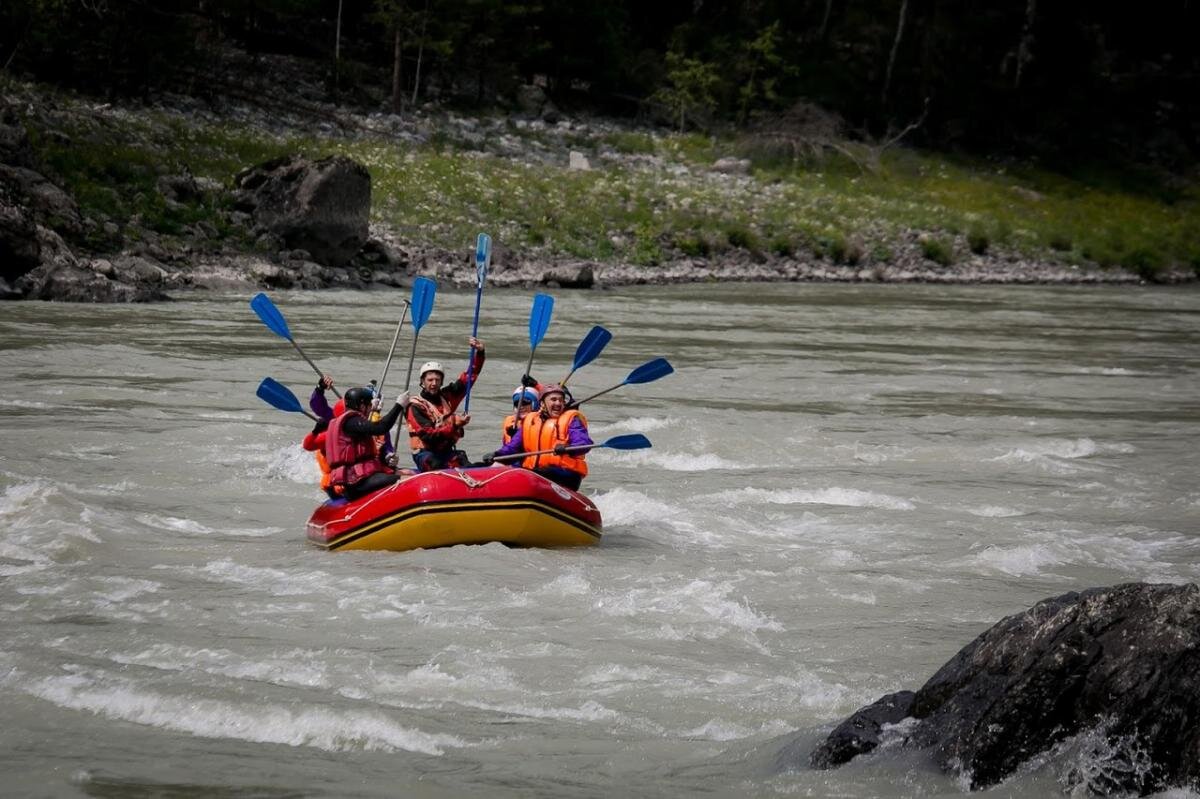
<point x="518" y="522"/>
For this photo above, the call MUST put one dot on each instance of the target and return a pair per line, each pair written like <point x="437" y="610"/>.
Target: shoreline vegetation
<point x="570" y="201"/>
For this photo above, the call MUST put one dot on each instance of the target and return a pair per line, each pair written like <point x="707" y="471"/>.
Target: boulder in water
<point x="1117" y="668"/>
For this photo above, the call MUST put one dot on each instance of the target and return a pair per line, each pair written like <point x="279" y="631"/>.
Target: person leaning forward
<point x="434" y="427"/>
<point x="552" y="428"/>
<point x="355" y="462"/>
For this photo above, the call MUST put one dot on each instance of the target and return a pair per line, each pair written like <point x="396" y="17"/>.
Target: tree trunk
<point x="337" y="51"/>
<point x="887" y="80"/>
<point x="397" y="66"/>
<point x="1025" y="47"/>
<point x="825" y="19"/>
<point x="420" y="52"/>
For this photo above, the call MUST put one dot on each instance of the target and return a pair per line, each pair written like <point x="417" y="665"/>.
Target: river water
<point x="847" y="484"/>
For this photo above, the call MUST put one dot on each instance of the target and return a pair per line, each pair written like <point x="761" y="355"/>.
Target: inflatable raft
<point x="459" y="506"/>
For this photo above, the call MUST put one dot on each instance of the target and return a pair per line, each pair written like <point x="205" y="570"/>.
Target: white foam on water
<point x="616" y="674"/>
<point x="172" y="523"/>
<point x="863" y="598"/>
<point x="569" y="584"/>
<point x="623" y="506"/>
<point x="679" y="462"/>
<point x="122" y="589"/>
<point x="994" y="512"/>
<point x="634" y="424"/>
<point x="290" y="463"/>
<point x="1025" y="560"/>
<point x="296" y="667"/>
<point x="718" y="730"/>
<point x="699" y="602"/>
<point x="1048" y="454"/>
<point x="330" y="730"/>
<point x="277" y="582"/>
<point x="849" y="497"/>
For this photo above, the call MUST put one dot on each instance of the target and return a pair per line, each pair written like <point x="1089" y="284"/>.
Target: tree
<point x="691" y="89"/>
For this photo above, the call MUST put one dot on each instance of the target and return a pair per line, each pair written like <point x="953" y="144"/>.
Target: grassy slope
<point x="442" y="192"/>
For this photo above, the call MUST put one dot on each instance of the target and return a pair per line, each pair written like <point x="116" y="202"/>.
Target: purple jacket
<point x="320" y="405"/>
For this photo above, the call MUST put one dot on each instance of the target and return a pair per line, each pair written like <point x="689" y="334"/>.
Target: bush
<point x="693" y="246"/>
<point x="781" y="245"/>
<point x="937" y="250"/>
<point x="742" y="238"/>
<point x="977" y="240"/>
<point x="1059" y="241"/>
<point x="1147" y="263"/>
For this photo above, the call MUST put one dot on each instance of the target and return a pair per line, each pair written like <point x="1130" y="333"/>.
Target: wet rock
<point x="20" y="250"/>
<point x="66" y="283"/>
<point x="50" y="205"/>
<point x="319" y="206"/>
<point x="1117" y="668"/>
<point x="570" y="276"/>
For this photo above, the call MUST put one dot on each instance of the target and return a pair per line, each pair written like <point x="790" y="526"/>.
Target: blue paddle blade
<point x="270" y="315"/>
<point x="278" y="395"/>
<point x="424" y="290"/>
<point x="483" y="257"/>
<point x="652" y="370"/>
<point x="631" y="441"/>
<point x="591" y="346"/>
<point x="539" y="318"/>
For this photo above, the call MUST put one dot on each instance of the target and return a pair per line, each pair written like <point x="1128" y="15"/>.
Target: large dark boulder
<point x="321" y="207"/>
<point x="1120" y="664"/>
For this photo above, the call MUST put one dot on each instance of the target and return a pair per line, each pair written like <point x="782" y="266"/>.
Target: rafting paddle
<point x="539" y="321"/>
<point x="646" y="373"/>
<point x="280" y="396"/>
<point x="388" y="362"/>
<point x="483" y="258"/>
<point x="631" y="441"/>
<point x="423" y="293"/>
<point x="271" y="317"/>
<point x="587" y="351"/>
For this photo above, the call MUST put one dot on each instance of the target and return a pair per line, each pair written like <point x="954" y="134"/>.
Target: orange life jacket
<point x="350" y="459"/>
<point x="437" y="415"/>
<point x="511" y="422"/>
<point x="538" y="433"/>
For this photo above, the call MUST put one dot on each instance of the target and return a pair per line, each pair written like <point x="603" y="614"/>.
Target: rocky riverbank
<point x="314" y="231"/>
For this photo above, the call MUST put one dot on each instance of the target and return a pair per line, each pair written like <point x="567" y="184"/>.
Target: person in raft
<point x="356" y="466"/>
<point x="314" y="442"/>
<point x="525" y="401"/>
<point x="556" y="429"/>
<point x="434" y="427"/>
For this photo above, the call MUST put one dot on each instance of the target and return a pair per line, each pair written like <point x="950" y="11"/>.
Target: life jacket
<point x="350" y="458"/>
<point x="511" y="422"/>
<point x="315" y="443"/>
<point x="538" y="433"/>
<point x="437" y="414"/>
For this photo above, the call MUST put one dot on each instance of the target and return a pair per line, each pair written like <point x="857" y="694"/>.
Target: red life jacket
<point x="350" y="458"/>
<point x="437" y="417"/>
<point x="538" y="433"/>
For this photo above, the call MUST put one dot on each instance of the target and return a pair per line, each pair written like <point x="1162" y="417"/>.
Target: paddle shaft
<point x="392" y="351"/>
<point x="471" y="356"/>
<point x="545" y="452"/>
<point x="313" y="365"/>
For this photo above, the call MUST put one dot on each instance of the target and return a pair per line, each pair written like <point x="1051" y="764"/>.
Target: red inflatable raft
<point x="459" y="506"/>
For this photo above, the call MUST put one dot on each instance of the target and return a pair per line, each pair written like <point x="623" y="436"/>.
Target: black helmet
<point x="357" y="397"/>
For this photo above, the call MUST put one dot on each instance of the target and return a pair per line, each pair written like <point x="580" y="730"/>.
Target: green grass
<point x="442" y="193"/>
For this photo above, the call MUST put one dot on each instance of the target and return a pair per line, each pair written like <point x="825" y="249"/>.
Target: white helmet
<point x="432" y="366"/>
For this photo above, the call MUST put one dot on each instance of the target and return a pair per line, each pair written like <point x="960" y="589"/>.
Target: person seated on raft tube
<point x="355" y="461"/>
<point x="525" y="400"/>
<point x="552" y="428"/>
<point x="434" y="428"/>
<point x="314" y="442"/>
